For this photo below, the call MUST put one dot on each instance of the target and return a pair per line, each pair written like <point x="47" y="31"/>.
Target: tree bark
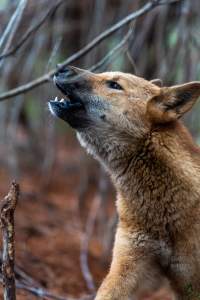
<point x="8" y="205"/>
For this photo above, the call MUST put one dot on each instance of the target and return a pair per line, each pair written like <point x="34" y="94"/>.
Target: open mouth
<point x="70" y="108"/>
<point x="70" y="103"/>
<point x="73" y="112"/>
<point x="67" y="103"/>
<point x="59" y="107"/>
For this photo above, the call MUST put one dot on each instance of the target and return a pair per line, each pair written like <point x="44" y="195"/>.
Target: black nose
<point x="66" y="71"/>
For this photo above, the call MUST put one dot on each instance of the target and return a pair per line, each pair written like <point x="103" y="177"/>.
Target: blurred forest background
<point x="65" y="220"/>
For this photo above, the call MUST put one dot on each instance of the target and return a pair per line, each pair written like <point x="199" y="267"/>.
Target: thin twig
<point x="121" y="47"/>
<point x="8" y="206"/>
<point x="45" y="294"/>
<point x="11" y="23"/>
<point x="85" y="243"/>
<point x="40" y="292"/>
<point x="46" y="77"/>
<point x="19" y="13"/>
<point x="29" y="284"/>
<point x="133" y="64"/>
<point x="32" y="30"/>
<point x="53" y="53"/>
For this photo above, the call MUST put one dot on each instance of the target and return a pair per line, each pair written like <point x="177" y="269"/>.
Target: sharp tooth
<point x="56" y="99"/>
<point x="62" y="100"/>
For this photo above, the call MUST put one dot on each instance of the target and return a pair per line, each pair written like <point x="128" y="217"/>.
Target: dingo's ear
<point x="157" y="82"/>
<point x="173" y="102"/>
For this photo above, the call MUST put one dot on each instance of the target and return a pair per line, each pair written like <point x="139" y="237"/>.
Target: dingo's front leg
<point x="133" y="274"/>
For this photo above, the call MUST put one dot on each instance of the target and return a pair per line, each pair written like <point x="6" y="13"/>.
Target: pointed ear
<point x="157" y="82"/>
<point x="173" y="102"/>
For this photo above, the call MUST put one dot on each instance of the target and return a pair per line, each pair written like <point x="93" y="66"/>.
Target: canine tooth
<point x="62" y="100"/>
<point x="56" y="99"/>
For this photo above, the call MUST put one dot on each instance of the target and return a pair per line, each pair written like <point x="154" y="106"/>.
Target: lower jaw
<point x="76" y="121"/>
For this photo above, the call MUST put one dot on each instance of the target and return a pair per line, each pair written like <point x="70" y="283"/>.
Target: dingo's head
<point x="113" y="109"/>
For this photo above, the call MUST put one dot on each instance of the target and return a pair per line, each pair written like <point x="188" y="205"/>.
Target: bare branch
<point x="122" y="46"/>
<point x="163" y="2"/>
<point x="8" y="206"/>
<point x="45" y="294"/>
<point x="132" y="62"/>
<point x="39" y="292"/>
<point x="9" y="29"/>
<point x="15" y="25"/>
<point x="32" y="30"/>
<point x="127" y="20"/>
<point x="85" y="244"/>
<point x="46" y="77"/>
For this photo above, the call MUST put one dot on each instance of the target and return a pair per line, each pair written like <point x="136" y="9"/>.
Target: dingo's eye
<point x="114" y="85"/>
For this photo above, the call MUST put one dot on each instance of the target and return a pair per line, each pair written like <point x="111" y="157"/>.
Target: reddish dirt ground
<point x="49" y="227"/>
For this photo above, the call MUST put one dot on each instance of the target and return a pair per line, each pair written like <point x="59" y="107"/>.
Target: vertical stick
<point x="7" y="209"/>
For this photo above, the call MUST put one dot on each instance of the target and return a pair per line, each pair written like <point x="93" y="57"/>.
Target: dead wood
<point x="7" y="211"/>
